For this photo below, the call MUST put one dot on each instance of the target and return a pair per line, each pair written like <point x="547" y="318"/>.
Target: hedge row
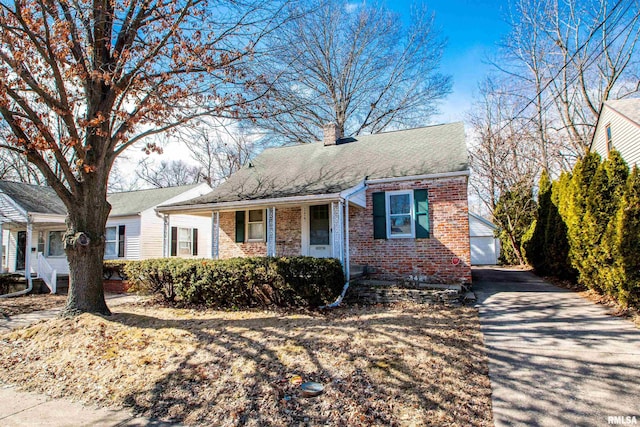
<point x="239" y="282"/>
<point x="588" y="227"/>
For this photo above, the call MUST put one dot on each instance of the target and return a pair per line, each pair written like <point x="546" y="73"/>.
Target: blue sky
<point x="472" y="28"/>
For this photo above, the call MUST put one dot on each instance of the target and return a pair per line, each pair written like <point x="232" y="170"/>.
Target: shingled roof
<point x="316" y="169"/>
<point x="629" y="108"/>
<point x="134" y="202"/>
<point x="34" y="198"/>
<point x="44" y="200"/>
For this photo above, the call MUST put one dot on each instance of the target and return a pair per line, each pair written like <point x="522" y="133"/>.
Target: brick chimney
<point x="331" y="134"/>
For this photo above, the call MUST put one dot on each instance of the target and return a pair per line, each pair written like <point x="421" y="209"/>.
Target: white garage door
<point x="483" y="251"/>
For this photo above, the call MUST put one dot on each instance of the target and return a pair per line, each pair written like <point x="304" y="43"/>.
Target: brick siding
<point x="432" y="259"/>
<point x="429" y="260"/>
<point x="288" y="236"/>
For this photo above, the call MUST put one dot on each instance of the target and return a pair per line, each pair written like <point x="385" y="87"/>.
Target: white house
<point x="31" y="213"/>
<point x="619" y="127"/>
<point x="485" y="247"/>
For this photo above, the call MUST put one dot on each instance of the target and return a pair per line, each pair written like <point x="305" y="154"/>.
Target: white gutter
<point x="347" y="260"/>
<point x="207" y="207"/>
<point x="27" y="264"/>
<point x="418" y="177"/>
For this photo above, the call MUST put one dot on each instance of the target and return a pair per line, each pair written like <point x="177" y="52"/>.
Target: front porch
<point x="315" y="226"/>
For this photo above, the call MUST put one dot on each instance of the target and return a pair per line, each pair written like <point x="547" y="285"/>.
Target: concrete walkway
<point x="555" y="358"/>
<point x="30" y="409"/>
<point x="23" y="320"/>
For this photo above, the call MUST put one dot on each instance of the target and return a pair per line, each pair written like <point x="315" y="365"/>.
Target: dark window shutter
<point x="379" y="216"/>
<point x="421" y="200"/>
<point x="174" y="241"/>
<point x="239" y="226"/>
<point x="121" y="241"/>
<point x="194" y="244"/>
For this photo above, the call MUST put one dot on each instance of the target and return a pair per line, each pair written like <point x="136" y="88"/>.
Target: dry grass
<point x="29" y="303"/>
<point x="401" y="365"/>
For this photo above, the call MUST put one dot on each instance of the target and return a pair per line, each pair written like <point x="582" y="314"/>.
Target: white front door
<point x="319" y="231"/>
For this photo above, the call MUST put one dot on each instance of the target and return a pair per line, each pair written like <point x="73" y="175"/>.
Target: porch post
<point x="1" y="248"/>
<point x="165" y="236"/>
<point x="215" y="235"/>
<point x="337" y="227"/>
<point x="271" y="231"/>
<point x="27" y="256"/>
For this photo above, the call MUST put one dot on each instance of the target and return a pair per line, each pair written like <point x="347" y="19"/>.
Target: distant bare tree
<point x="220" y="148"/>
<point x="503" y="155"/>
<point x="15" y="167"/>
<point x="355" y="65"/>
<point x="567" y="57"/>
<point x="170" y="173"/>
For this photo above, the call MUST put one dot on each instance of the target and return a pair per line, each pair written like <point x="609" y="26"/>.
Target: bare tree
<point x="221" y="148"/>
<point x="560" y="61"/>
<point x="81" y="82"/>
<point x="168" y="173"/>
<point x="355" y="65"/>
<point x="504" y="154"/>
<point x="567" y="57"/>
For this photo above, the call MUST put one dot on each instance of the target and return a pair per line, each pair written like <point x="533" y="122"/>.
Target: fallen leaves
<point x="399" y="365"/>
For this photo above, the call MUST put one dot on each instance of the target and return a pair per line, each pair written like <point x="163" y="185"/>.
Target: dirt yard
<point x="29" y="303"/>
<point x="403" y="365"/>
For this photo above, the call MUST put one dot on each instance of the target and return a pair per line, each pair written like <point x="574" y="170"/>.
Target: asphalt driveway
<point x="555" y="358"/>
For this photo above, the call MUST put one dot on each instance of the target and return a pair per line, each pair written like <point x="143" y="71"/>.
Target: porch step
<point x="62" y="284"/>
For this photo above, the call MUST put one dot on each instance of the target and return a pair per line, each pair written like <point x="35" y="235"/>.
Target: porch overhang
<point x="207" y="208"/>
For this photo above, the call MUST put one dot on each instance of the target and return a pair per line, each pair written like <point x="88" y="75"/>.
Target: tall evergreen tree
<point x="626" y="271"/>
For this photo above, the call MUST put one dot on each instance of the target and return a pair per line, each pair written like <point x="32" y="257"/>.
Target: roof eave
<point x="244" y="204"/>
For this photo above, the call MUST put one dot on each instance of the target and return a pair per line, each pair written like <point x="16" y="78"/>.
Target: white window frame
<point x="608" y="136"/>
<point x="189" y="240"/>
<point x="117" y="243"/>
<point x="49" y="245"/>
<point x="411" y="214"/>
<point x="263" y="222"/>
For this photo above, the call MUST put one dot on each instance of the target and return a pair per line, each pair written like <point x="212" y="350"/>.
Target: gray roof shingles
<point x="44" y="200"/>
<point x="630" y="108"/>
<point x="315" y="169"/>
<point x="34" y="198"/>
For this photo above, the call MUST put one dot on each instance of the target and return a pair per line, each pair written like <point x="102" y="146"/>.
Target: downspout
<point x="347" y="259"/>
<point x="27" y="264"/>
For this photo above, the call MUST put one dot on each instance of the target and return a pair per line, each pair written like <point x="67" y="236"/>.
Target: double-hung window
<point x="114" y="241"/>
<point x="402" y="214"/>
<point x="56" y="247"/>
<point x="399" y="208"/>
<point x="184" y="241"/>
<point x="250" y="226"/>
<point x="255" y="225"/>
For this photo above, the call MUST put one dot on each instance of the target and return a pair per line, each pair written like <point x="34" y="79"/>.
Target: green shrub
<point x="114" y="269"/>
<point x="239" y="282"/>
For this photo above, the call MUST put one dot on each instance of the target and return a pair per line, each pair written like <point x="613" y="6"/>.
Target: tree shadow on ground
<point x="380" y="366"/>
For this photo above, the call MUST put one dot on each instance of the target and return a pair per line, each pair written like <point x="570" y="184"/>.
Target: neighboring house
<point x="395" y="202"/>
<point x="619" y="127"/>
<point x="35" y="214"/>
<point x="485" y="247"/>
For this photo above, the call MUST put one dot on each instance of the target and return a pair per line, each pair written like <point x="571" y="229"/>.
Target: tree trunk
<point x="84" y="246"/>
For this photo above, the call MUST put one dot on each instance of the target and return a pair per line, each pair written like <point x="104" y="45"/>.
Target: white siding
<point x="152" y="224"/>
<point x="131" y="234"/>
<point x="625" y="136"/>
<point x="479" y="228"/>
<point x="203" y="224"/>
<point x="151" y="234"/>
<point x="485" y="248"/>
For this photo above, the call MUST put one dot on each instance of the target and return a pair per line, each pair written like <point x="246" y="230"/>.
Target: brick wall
<point x="288" y="236"/>
<point x="430" y="259"/>
<point x="289" y="231"/>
